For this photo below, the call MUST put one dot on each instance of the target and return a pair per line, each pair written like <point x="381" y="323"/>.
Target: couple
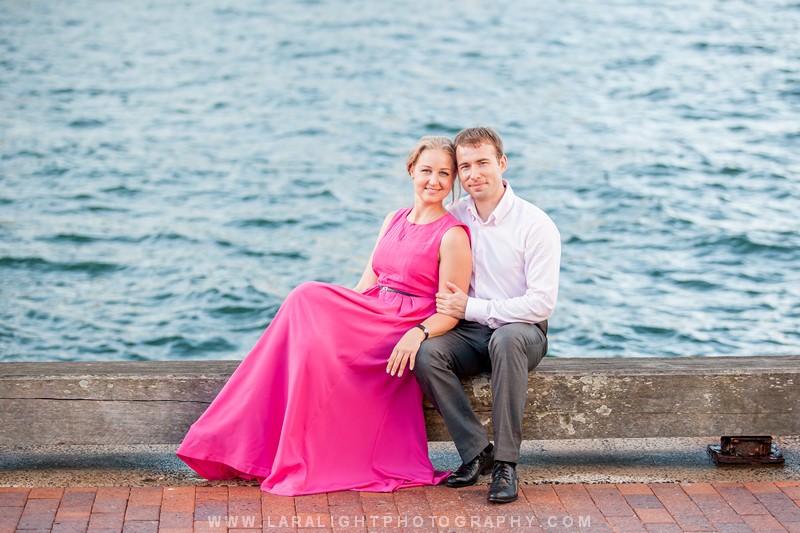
<point x="325" y="401"/>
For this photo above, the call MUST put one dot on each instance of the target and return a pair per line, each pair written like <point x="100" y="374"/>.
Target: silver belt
<point x="390" y="289"/>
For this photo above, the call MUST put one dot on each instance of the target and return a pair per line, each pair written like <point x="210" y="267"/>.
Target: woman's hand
<point x="405" y="351"/>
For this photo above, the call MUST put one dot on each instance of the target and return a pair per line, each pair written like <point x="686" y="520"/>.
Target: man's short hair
<point x="474" y="137"/>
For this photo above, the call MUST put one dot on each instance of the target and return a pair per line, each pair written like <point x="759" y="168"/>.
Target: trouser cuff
<point x="471" y="452"/>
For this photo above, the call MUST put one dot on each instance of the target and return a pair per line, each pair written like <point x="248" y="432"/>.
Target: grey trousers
<point x="509" y="353"/>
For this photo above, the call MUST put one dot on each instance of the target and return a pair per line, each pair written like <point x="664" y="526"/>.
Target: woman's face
<point x="433" y="175"/>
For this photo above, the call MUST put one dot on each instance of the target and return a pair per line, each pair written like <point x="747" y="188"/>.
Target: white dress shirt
<point x="516" y="258"/>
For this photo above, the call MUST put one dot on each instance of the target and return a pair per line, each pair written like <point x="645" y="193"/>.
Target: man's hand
<point x="452" y="304"/>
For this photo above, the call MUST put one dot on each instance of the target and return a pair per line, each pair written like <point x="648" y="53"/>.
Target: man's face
<point x="480" y="172"/>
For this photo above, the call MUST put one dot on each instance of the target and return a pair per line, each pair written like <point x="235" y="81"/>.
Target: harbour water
<point x="170" y="170"/>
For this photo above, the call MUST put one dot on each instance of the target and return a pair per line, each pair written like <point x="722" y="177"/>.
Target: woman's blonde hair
<point x="435" y="142"/>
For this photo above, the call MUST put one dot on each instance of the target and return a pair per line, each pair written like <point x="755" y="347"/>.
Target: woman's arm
<point x="368" y="278"/>
<point x="455" y="265"/>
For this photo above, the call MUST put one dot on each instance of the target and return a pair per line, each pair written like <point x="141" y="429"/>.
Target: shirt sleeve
<point x="542" y="267"/>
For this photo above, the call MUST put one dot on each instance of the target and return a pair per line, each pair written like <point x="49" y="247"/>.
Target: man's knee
<point x="509" y="339"/>
<point x="430" y="356"/>
<point x="422" y="361"/>
<point x="518" y="342"/>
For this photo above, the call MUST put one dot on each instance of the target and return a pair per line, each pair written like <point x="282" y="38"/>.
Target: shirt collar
<point x="502" y="209"/>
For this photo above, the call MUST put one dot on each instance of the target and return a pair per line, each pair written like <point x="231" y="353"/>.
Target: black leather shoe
<point x="504" y="483"/>
<point x="467" y="474"/>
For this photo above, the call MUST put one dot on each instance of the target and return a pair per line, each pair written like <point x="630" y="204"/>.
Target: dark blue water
<point x="170" y="170"/>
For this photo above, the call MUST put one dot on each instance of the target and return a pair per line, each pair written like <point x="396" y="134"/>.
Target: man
<point x="516" y="252"/>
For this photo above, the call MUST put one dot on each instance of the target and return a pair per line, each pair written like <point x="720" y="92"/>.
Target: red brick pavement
<point x="629" y="507"/>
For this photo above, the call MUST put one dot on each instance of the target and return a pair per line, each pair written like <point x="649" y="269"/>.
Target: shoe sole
<point x="503" y="500"/>
<point x="459" y="485"/>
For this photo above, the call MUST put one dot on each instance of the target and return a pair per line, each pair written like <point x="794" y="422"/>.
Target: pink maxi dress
<point x="311" y="408"/>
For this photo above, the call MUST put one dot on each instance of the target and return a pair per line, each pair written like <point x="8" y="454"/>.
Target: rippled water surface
<point x="170" y="170"/>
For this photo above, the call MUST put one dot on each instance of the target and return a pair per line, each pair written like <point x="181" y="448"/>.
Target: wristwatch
<point x="424" y="330"/>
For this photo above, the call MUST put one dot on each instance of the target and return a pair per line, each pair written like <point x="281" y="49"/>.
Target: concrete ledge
<point x="155" y="402"/>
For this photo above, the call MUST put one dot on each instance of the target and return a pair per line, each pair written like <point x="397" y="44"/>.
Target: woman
<point x="323" y="401"/>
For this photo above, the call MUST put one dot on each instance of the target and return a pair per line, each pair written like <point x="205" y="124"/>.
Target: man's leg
<point x="515" y="349"/>
<point x="439" y="364"/>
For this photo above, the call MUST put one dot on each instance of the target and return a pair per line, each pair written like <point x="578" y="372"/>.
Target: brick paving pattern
<point x="654" y="507"/>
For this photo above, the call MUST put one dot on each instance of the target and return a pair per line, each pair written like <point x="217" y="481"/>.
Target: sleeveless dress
<point x="311" y="408"/>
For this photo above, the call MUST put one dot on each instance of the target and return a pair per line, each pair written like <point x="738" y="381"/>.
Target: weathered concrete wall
<point x="155" y="402"/>
<point x="663" y="397"/>
<point x="151" y="402"/>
